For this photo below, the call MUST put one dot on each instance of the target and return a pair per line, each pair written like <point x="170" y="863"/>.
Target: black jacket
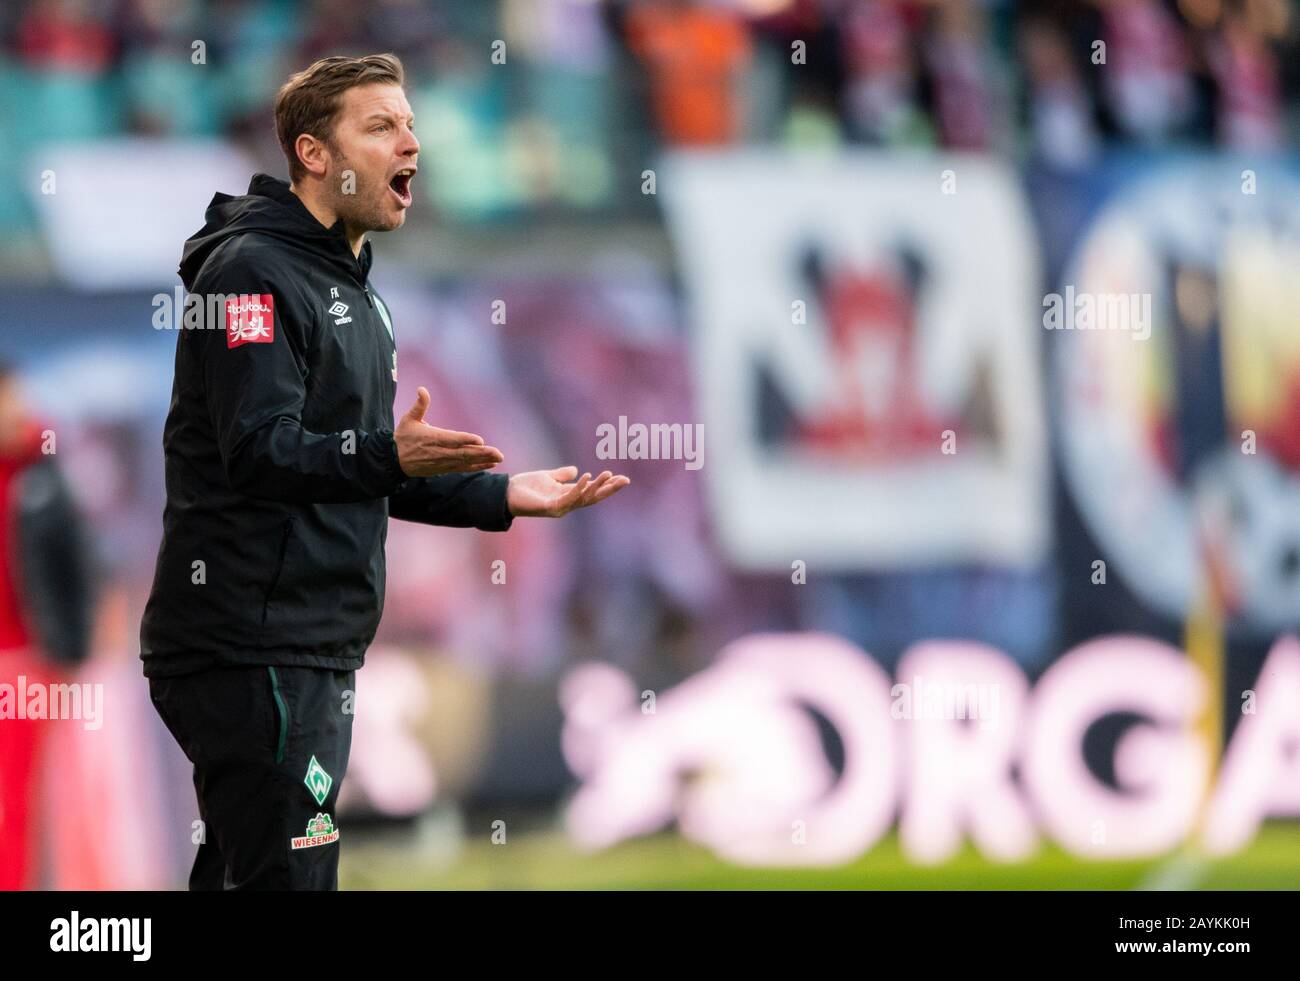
<point x="281" y="469"/>
<point x="53" y="571"/>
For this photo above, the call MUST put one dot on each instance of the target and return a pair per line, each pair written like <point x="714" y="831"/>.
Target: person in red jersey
<point x="45" y="610"/>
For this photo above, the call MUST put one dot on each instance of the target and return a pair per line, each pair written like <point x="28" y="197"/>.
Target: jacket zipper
<point x="385" y="373"/>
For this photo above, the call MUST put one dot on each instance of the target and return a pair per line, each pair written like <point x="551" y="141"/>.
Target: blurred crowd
<point x="534" y="103"/>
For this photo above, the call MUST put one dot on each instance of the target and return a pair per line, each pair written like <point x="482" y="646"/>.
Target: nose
<point x="410" y="146"/>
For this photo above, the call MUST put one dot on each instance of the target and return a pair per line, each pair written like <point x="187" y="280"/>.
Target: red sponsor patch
<point x="250" y="319"/>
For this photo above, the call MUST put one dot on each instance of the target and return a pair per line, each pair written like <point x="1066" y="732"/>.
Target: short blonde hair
<point x="309" y="101"/>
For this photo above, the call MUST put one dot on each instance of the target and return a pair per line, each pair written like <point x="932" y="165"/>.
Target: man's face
<point x="374" y="141"/>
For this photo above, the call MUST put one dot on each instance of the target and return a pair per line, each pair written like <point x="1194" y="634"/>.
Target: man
<point x="45" y="613"/>
<point x="283" y="466"/>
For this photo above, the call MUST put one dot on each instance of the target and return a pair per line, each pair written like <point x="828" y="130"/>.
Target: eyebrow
<point x="389" y="117"/>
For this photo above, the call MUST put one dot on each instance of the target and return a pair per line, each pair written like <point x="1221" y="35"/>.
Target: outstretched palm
<point x="548" y="493"/>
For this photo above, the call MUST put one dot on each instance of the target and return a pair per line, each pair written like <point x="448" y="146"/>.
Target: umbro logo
<point x="339" y="311"/>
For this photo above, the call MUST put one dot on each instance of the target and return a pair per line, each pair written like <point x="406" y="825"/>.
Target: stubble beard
<point x="366" y="209"/>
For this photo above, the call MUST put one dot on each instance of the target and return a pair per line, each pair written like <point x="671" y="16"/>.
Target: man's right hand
<point x="426" y="451"/>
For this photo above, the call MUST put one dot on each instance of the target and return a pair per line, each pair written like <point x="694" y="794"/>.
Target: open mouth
<point x="401" y="186"/>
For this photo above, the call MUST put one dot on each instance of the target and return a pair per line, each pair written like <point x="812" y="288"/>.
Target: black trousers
<point x="270" y="749"/>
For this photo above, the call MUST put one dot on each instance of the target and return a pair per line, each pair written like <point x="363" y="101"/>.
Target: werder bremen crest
<point x="318" y="781"/>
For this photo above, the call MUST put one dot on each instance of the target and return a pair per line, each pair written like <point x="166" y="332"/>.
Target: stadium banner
<point x="867" y="369"/>
<point x="956" y="746"/>
<point x="1174" y="366"/>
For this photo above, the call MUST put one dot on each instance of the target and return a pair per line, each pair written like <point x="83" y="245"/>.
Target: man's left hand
<point x="548" y="493"/>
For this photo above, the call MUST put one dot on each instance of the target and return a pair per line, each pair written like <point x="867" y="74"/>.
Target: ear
<point x="312" y="154"/>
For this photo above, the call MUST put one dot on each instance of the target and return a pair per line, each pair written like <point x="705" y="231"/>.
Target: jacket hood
<point x="271" y="208"/>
